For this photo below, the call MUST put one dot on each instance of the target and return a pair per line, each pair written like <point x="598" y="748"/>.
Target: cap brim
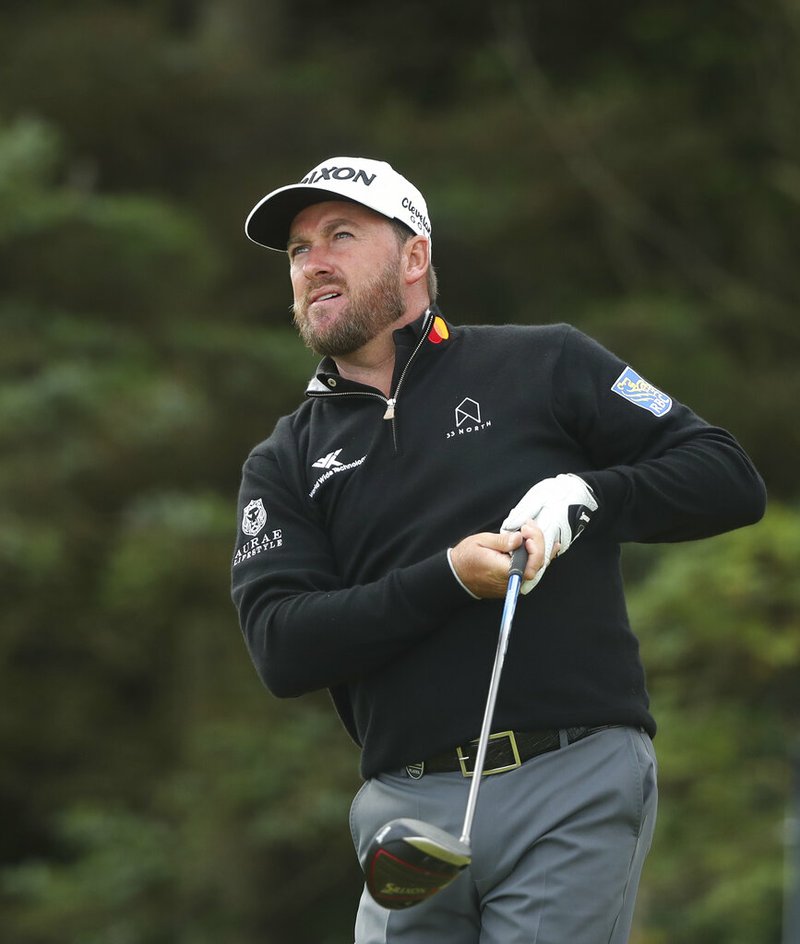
<point x="269" y="220"/>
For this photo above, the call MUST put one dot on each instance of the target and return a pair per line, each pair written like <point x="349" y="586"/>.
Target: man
<point x="373" y="553"/>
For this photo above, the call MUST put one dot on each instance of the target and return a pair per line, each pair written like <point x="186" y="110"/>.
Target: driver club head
<point x="408" y="861"/>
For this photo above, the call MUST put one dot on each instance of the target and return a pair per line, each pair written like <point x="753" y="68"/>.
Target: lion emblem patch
<point x="254" y="517"/>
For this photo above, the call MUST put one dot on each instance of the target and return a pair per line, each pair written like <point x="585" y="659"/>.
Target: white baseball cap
<point x="373" y="184"/>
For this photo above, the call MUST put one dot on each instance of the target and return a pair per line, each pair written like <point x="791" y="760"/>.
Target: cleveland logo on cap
<point x="417" y="215"/>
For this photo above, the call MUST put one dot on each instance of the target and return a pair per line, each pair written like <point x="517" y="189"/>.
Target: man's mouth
<point x="323" y="297"/>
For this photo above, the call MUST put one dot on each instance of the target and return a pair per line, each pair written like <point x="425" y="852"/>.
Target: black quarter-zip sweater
<point x="346" y="511"/>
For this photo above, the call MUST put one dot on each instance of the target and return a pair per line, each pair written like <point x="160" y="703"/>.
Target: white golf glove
<point x="561" y="507"/>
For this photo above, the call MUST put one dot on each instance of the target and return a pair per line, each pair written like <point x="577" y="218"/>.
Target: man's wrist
<point x="455" y="574"/>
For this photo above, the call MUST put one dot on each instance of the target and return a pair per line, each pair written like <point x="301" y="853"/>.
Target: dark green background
<point x="632" y="168"/>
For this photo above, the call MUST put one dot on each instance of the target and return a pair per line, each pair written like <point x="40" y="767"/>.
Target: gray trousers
<point x="558" y="847"/>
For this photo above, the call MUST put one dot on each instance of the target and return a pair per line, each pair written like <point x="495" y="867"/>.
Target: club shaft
<point x="512" y="593"/>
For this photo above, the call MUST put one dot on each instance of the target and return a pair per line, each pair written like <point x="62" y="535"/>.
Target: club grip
<point x="519" y="559"/>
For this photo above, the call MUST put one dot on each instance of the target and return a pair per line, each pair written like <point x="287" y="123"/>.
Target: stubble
<point x="374" y="306"/>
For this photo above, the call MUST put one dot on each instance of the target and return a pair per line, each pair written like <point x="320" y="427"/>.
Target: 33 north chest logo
<point x="469" y="418"/>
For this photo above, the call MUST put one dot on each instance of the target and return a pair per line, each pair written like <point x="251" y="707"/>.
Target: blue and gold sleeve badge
<point x="630" y="386"/>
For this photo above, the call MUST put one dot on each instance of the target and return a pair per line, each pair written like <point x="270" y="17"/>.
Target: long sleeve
<point x="659" y="471"/>
<point x="303" y="628"/>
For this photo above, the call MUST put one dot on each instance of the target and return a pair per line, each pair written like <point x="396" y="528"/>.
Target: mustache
<point x="338" y="285"/>
<point x="300" y="305"/>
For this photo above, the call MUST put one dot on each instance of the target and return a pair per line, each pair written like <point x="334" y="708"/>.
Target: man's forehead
<point x="330" y="212"/>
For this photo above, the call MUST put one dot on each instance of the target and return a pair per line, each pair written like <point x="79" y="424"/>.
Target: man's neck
<point x="376" y="373"/>
<point x="373" y="364"/>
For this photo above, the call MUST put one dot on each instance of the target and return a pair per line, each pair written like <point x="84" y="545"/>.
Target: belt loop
<point x="563" y="737"/>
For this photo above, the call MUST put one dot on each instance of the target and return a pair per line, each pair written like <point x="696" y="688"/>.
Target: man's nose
<point x="316" y="262"/>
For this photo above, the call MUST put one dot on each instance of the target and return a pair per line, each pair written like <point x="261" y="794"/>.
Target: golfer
<point x="374" y="531"/>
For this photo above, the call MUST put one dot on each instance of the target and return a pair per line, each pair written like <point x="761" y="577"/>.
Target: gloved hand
<point x="561" y="507"/>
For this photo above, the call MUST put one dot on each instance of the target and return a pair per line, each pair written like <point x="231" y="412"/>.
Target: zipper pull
<point x="389" y="414"/>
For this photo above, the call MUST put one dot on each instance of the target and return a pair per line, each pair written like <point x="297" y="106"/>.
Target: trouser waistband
<point x="505" y="751"/>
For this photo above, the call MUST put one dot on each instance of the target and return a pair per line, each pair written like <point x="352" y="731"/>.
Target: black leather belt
<point x="506" y="750"/>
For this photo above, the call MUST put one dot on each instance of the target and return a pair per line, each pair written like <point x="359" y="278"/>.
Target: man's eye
<point x="342" y="234"/>
<point x="296" y="250"/>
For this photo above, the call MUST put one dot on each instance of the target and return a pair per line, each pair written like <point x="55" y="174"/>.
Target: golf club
<point x="408" y="860"/>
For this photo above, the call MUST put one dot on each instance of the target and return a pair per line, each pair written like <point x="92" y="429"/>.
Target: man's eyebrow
<point x="327" y="229"/>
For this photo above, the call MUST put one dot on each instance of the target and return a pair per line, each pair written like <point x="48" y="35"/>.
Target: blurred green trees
<point x="633" y="169"/>
<point x="720" y="632"/>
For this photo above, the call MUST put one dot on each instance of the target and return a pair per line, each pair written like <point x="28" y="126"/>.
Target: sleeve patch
<point x="254" y="517"/>
<point x="630" y="386"/>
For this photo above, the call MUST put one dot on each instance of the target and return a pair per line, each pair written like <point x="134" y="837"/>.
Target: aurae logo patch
<point x="268" y="541"/>
<point x="630" y="386"/>
<point x="254" y="517"/>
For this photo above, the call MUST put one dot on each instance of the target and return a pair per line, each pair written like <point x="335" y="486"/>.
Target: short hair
<point x="403" y="234"/>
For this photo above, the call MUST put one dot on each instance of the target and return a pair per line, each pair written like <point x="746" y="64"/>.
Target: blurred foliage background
<point x="631" y="168"/>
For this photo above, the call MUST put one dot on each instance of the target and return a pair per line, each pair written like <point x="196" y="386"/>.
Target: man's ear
<point x="417" y="255"/>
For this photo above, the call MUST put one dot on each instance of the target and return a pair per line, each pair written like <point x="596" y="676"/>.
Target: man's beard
<point x="373" y="306"/>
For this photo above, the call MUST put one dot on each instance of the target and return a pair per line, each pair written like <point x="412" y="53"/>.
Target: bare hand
<point x="482" y="560"/>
